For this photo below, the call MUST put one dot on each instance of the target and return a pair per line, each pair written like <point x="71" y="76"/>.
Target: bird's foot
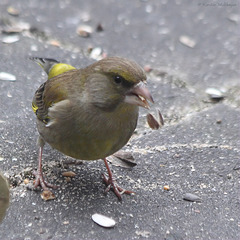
<point x="111" y="182"/>
<point x="39" y="181"/>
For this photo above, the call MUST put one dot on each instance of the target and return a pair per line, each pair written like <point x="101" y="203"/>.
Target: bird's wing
<point x="51" y="93"/>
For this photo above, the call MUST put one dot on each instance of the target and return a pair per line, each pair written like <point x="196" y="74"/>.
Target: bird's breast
<point x="91" y="134"/>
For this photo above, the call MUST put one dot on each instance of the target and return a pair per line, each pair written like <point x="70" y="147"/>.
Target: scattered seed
<point x="11" y="29"/>
<point x="149" y="8"/>
<point x="219" y="121"/>
<point x="47" y="195"/>
<point x="99" y="28"/>
<point x="103" y="221"/>
<point x="237" y="166"/>
<point x="69" y="174"/>
<point x="166" y="187"/>
<point x="152" y="122"/>
<point x="122" y="159"/>
<point x="234" y="18"/>
<point x="26" y="181"/>
<point x="7" y="76"/>
<point x="147" y="68"/>
<point x="214" y="94"/>
<point x="10" y="39"/>
<point x="12" y="11"/>
<point x="187" y="41"/>
<point x="16" y="27"/>
<point x="84" y="31"/>
<point x="143" y="233"/>
<point x="55" y="43"/>
<point x="191" y="197"/>
<point x="96" y="53"/>
<point x="160" y="118"/>
<point x="68" y="179"/>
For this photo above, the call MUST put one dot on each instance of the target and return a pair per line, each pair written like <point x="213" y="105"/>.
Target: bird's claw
<point x="111" y="182"/>
<point x="39" y="181"/>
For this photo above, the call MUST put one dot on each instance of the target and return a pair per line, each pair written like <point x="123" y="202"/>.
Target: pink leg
<point x="39" y="175"/>
<point x="111" y="182"/>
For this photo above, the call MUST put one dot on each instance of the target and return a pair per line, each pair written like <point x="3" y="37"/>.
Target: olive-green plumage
<point x="89" y="113"/>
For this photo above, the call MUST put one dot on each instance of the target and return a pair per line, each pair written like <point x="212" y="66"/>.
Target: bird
<point x="89" y="113"/>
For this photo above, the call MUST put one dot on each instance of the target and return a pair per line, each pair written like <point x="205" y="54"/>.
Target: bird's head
<point x="116" y="80"/>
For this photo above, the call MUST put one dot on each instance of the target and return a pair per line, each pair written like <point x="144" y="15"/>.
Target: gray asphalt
<point x="196" y="151"/>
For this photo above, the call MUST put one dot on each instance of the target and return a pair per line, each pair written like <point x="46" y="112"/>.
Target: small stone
<point x="191" y="197"/>
<point x="103" y="221"/>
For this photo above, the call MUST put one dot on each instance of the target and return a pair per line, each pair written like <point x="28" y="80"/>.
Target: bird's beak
<point x="139" y="95"/>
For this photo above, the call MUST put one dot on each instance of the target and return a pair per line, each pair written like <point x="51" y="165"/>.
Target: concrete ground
<point x="190" y="46"/>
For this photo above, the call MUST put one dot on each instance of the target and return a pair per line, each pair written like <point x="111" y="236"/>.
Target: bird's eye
<point x="118" y="79"/>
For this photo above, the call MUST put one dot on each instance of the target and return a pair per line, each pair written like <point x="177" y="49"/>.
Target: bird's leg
<point x="111" y="182"/>
<point x="39" y="181"/>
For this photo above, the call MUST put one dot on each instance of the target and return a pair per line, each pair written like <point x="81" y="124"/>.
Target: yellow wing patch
<point x="58" y="69"/>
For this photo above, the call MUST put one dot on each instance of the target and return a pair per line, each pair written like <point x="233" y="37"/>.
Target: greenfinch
<point x="89" y="113"/>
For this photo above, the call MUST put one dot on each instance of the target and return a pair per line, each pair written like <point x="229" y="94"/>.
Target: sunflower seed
<point x="187" y="41"/>
<point x="103" y="221"/>
<point x="7" y="76"/>
<point x="191" y="197"/>
<point x="96" y="53"/>
<point x="10" y="39"/>
<point x="69" y="174"/>
<point x="214" y="93"/>
<point x="152" y="122"/>
<point x="84" y="31"/>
